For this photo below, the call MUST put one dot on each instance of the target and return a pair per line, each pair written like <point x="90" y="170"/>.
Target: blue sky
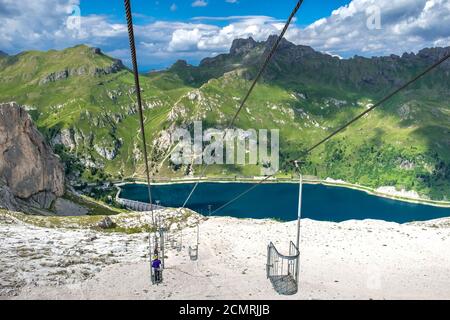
<point x="168" y="30"/>
<point x="161" y="10"/>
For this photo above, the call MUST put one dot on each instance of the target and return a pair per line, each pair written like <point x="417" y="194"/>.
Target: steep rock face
<point x="30" y="174"/>
<point x="240" y="46"/>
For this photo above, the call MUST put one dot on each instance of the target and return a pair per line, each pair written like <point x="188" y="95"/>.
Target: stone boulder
<point x="106" y="223"/>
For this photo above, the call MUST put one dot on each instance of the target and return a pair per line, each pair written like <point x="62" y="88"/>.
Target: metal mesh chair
<point x="282" y="270"/>
<point x="193" y="253"/>
<point x="175" y="242"/>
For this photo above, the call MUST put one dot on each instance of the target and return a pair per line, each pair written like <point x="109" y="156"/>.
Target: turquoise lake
<point x="279" y="200"/>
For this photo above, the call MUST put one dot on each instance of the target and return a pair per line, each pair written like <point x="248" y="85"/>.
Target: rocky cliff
<point x="31" y="176"/>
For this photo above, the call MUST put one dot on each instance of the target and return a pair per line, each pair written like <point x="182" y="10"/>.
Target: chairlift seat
<point x="193" y="253"/>
<point x="282" y="269"/>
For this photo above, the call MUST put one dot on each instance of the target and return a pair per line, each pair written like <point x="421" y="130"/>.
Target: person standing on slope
<point x="156" y="265"/>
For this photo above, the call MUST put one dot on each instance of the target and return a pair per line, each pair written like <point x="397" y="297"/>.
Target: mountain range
<point x="83" y="101"/>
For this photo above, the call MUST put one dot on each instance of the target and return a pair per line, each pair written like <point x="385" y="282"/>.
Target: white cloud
<point x="185" y="40"/>
<point x="199" y="3"/>
<point x="28" y="24"/>
<point x="211" y="38"/>
<point x="231" y="18"/>
<point x="173" y="7"/>
<point x="231" y="1"/>
<point x="406" y="25"/>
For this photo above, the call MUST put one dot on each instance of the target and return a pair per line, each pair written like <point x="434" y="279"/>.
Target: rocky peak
<point x="284" y="44"/>
<point x="271" y="41"/>
<point x="80" y="60"/>
<point x="30" y="174"/>
<point x="428" y="55"/>
<point x="180" y="63"/>
<point x="240" y="46"/>
<point x="434" y="53"/>
<point x="96" y="50"/>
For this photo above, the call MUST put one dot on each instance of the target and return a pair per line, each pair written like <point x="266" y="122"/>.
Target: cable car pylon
<point x="283" y="270"/>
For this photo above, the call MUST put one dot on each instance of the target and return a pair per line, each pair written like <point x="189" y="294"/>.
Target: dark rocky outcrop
<point x="106" y="223"/>
<point x="31" y="176"/>
<point x="55" y="76"/>
<point x="180" y="64"/>
<point x="240" y="46"/>
<point x="96" y="50"/>
<point x="115" y="67"/>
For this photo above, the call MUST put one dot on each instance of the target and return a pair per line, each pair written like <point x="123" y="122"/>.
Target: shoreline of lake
<point x="326" y="182"/>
